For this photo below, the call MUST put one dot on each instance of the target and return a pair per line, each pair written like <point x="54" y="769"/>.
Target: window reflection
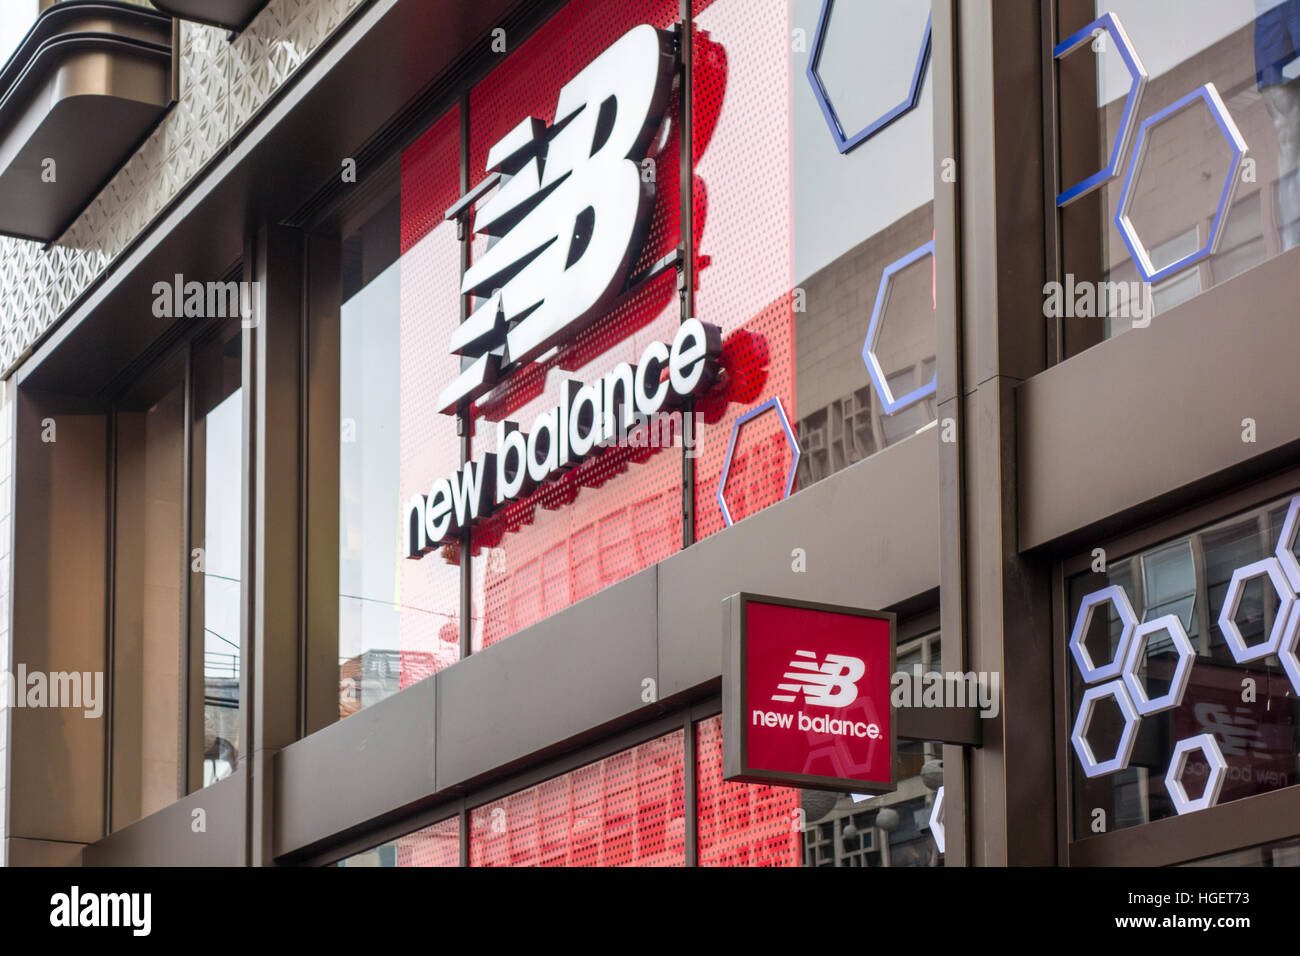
<point x="855" y="214"/>
<point x="399" y="620"/>
<point x="892" y="829"/>
<point x="1250" y="709"/>
<point x="1250" y="51"/>
<point x="217" y="543"/>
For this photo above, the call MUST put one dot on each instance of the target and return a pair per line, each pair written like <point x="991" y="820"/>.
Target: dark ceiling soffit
<point x="55" y="95"/>
<point x="231" y="14"/>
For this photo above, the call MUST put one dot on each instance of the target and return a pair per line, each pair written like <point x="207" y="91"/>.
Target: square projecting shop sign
<point x="805" y="695"/>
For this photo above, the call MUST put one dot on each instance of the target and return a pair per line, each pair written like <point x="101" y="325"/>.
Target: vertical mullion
<point x="464" y="419"/>
<point x="463" y="816"/>
<point x="186" y="630"/>
<point x="110" y="614"/>
<point x="691" y="799"/>
<point x="686" y="259"/>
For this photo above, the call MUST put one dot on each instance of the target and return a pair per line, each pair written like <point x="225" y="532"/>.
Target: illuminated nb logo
<point x="569" y="205"/>
<point x="832" y="683"/>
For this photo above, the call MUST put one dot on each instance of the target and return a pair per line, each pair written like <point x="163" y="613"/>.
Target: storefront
<point x="391" y="430"/>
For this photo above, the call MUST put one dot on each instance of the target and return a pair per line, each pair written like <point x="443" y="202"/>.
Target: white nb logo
<point x="832" y="683"/>
<point x="564" y="220"/>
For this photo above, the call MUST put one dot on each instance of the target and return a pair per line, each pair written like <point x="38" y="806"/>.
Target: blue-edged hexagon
<point x="1110" y="24"/>
<point x="1286" y="542"/>
<point x="844" y="139"/>
<point x="1287" y="653"/>
<point x="1117" y="597"/>
<point x="1171" y="625"/>
<point x="879" y="379"/>
<point x="1242" y="652"/>
<point x="1092" y="767"/>
<point x="1209" y="748"/>
<point x="1208" y="95"/>
<point x="771" y="405"/>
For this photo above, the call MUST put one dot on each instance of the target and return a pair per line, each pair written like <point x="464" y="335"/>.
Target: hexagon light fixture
<point x="1209" y="748"/>
<point x="1171" y="625"/>
<point x="772" y="404"/>
<point x="1092" y="767"/>
<point x="1110" y="24"/>
<point x="1208" y="95"/>
<point x="845" y="141"/>
<point x="936" y="821"/>
<point x="1118" y="597"/>
<point x="1242" y="652"/>
<point x="1286" y="541"/>
<point x="879" y="380"/>
<point x="1287" y="652"/>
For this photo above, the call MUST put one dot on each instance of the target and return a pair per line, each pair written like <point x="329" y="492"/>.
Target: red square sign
<point x="805" y="695"/>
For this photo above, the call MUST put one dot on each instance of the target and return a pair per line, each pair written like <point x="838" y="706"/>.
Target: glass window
<point x="625" y="810"/>
<point x="399" y="618"/>
<point x="176" y="683"/>
<point x="814" y="237"/>
<point x="796" y="263"/>
<point x="1191" y="707"/>
<point x="859" y="213"/>
<point x="741" y="824"/>
<point x="434" y="845"/>
<point x="217" y="547"/>
<point x="619" y="510"/>
<point x="1197" y="217"/>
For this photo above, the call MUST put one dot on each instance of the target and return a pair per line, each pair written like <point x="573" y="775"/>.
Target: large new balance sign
<point x="564" y="207"/>
<point x="806" y="695"/>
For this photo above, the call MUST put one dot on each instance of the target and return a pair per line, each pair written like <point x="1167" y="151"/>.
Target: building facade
<point x="395" y="390"/>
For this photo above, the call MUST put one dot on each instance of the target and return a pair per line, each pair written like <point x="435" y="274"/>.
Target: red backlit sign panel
<point x="805" y="695"/>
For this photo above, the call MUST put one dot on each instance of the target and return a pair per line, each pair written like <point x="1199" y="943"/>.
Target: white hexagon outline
<point x="1287" y="652"/>
<point x="1241" y="652"/>
<point x="1092" y="767"/>
<point x="879" y="380"/>
<point x="936" y="821"/>
<point x="1285" y="556"/>
<point x="1209" y="95"/>
<point x="1110" y="24"/>
<point x="1173" y="625"/>
<point x="1209" y="748"/>
<point x="1119" y="597"/>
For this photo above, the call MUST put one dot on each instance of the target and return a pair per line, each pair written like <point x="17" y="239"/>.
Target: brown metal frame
<point x="1240" y="824"/>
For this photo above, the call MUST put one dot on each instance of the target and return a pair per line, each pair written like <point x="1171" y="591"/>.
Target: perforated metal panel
<point x="436" y="845"/>
<point x="741" y="824"/>
<point x="429" y="589"/>
<point x="625" y="810"/>
<point x="743" y="225"/>
<point x="620" y="511"/>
